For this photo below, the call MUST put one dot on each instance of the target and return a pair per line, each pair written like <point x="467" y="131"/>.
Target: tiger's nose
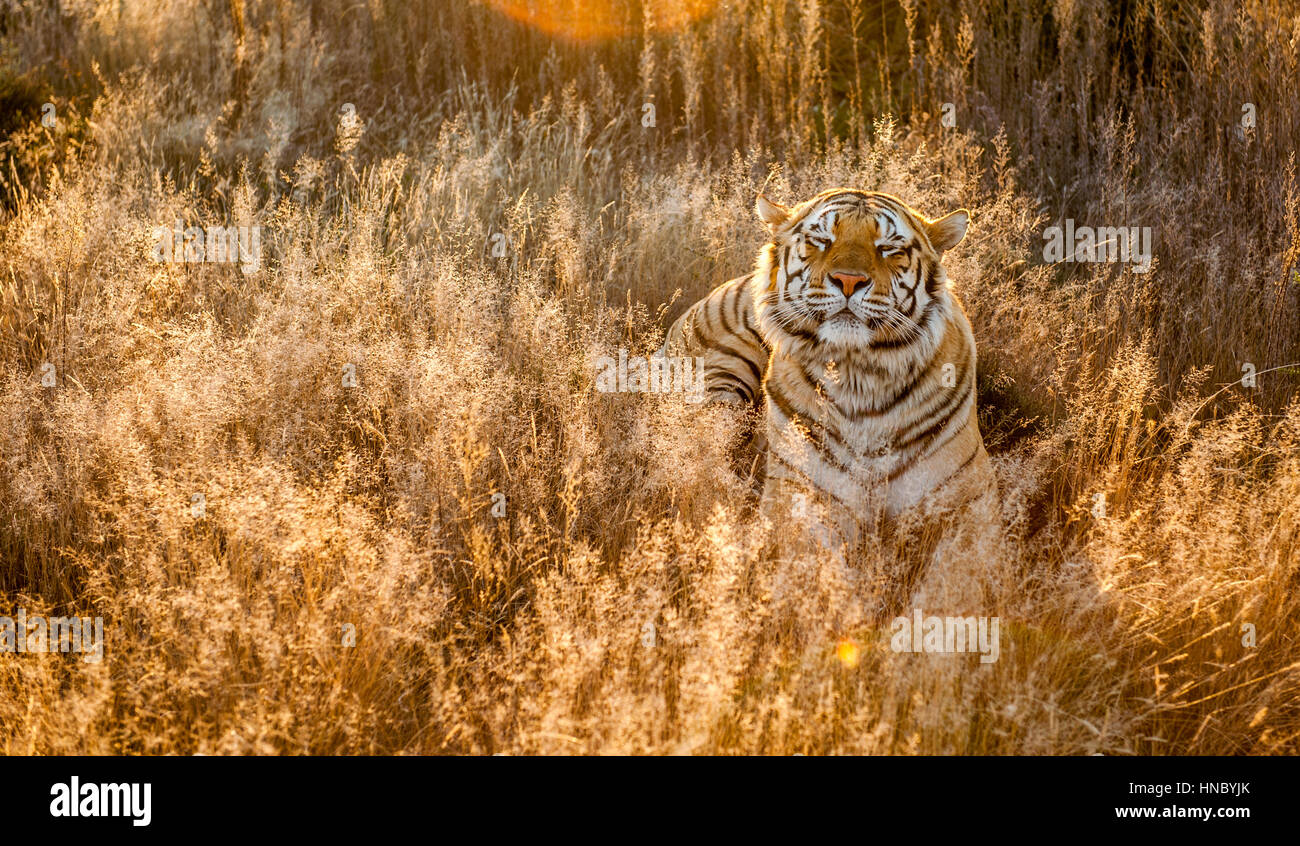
<point x="848" y="281"/>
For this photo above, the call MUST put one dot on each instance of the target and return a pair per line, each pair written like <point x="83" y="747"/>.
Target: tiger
<point x="849" y="340"/>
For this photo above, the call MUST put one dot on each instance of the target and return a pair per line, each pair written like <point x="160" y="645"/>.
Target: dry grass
<point x="373" y="505"/>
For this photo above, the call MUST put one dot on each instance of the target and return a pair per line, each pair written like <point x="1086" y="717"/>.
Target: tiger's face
<point x="853" y="269"/>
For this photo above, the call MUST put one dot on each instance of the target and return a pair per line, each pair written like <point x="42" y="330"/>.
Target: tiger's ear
<point x="948" y="231"/>
<point x="772" y="214"/>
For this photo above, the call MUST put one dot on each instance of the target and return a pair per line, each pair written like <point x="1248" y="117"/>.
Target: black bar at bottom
<point x="612" y="797"/>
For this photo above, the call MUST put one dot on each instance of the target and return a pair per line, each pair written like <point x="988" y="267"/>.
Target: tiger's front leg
<point x="805" y="518"/>
<point x="801" y="523"/>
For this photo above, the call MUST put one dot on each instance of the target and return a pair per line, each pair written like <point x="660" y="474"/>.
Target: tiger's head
<point x="853" y="270"/>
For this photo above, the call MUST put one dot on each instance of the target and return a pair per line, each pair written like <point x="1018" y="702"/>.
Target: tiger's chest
<point x="855" y="422"/>
<point x="871" y="433"/>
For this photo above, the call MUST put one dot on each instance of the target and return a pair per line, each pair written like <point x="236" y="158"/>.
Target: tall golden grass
<point x="629" y="600"/>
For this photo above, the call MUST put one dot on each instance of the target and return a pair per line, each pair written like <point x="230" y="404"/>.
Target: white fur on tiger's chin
<point x="844" y="331"/>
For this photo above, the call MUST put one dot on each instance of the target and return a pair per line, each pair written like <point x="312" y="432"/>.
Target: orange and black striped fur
<point x="848" y="335"/>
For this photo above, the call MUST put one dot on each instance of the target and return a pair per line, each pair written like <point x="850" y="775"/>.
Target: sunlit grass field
<point x="366" y="499"/>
